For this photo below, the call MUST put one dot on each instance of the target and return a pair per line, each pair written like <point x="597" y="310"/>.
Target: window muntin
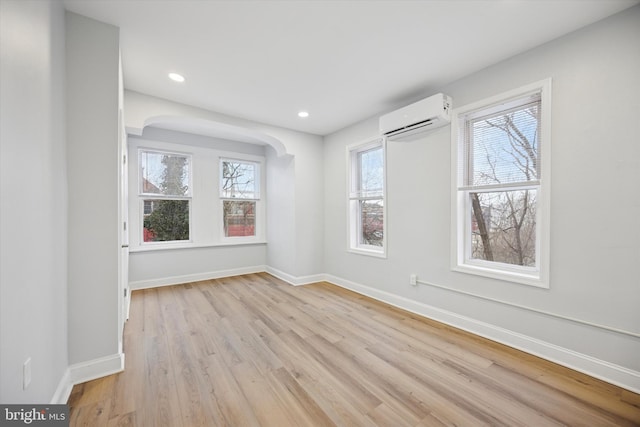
<point x="164" y="191"/>
<point x="502" y="198"/>
<point x="366" y="198"/>
<point x="239" y="193"/>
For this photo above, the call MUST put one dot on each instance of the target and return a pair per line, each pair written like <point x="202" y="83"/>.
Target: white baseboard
<point x="96" y="368"/>
<point x="63" y="391"/>
<point x="609" y="372"/>
<point x="295" y="280"/>
<point x="86" y="371"/>
<point x="188" y="278"/>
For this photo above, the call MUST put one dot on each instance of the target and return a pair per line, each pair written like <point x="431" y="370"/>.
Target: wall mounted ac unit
<point x="429" y="113"/>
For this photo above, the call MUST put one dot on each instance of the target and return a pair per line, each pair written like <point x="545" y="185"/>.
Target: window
<point x="366" y="198"/>
<point x="190" y="195"/>
<point x="501" y="190"/>
<point x="165" y="195"/>
<point x="239" y="193"/>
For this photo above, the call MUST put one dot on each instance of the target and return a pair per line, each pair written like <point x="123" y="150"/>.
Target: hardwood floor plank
<point x="295" y="398"/>
<point x="224" y="343"/>
<point x="262" y="307"/>
<point x="410" y="410"/>
<point x="425" y="400"/>
<point x="268" y="408"/>
<point x="432" y="421"/>
<point x="192" y="409"/>
<point x="90" y="414"/>
<point x="382" y="415"/>
<point x="124" y="392"/>
<point x="126" y="420"/>
<point x="316" y="380"/>
<point x="228" y="395"/>
<point x="159" y="403"/>
<point x="151" y="323"/>
<point x="344" y="383"/>
<point x="254" y="351"/>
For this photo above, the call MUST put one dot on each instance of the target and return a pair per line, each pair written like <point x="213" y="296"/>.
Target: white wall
<point x="294" y="183"/>
<point x="595" y="206"/>
<point x="92" y="168"/>
<point x="175" y="266"/>
<point x="33" y="222"/>
<point x="153" y="267"/>
<point x="281" y="212"/>
<point x="309" y="186"/>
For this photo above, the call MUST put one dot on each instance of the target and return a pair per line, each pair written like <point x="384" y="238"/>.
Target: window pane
<point x="239" y="218"/>
<point x="372" y="221"/>
<point x="164" y="173"/>
<point x="503" y="227"/>
<point x="166" y="220"/>
<point x="371" y="164"/>
<point x="239" y="180"/>
<point x="503" y="148"/>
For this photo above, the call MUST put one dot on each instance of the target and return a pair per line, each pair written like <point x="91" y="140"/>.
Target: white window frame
<point x="461" y="212"/>
<point x="142" y="196"/>
<point x="259" y="213"/>
<point x="354" y="196"/>
<point x="206" y="226"/>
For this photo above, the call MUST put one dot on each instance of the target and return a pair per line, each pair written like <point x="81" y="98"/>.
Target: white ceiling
<point x="342" y="61"/>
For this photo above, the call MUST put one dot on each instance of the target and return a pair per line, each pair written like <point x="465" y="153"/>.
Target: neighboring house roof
<point x="148" y="187"/>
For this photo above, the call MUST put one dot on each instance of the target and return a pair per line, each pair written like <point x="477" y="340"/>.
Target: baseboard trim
<point x="96" y="368"/>
<point x="295" y="280"/>
<point x="188" y="278"/>
<point x="63" y="391"/>
<point x="86" y="371"/>
<point x="609" y="372"/>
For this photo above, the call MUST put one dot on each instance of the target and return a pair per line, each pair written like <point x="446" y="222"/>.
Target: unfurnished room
<point x="320" y="213"/>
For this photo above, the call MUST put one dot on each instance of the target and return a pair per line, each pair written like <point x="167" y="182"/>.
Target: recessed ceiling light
<point x="176" y="77"/>
<point x="303" y="114"/>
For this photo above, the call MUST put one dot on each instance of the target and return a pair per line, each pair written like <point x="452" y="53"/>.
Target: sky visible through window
<point x="503" y="168"/>
<point x="371" y="170"/>
<point x="159" y="169"/>
<point x="505" y="147"/>
<point x="239" y="180"/>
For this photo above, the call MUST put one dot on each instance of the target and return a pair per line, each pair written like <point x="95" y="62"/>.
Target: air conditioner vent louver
<point x="421" y="124"/>
<point x="429" y="113"/>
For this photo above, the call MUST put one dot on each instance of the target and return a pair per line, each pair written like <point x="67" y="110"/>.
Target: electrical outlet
<point x="26" y="373"/>
<point x="413" y="280"/>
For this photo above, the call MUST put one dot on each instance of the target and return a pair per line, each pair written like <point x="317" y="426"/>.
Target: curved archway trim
<point x="211" y="128"/>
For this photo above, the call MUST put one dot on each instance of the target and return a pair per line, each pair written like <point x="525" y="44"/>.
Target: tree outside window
<point x="501" y="222"/>
<point x="165" y="187"/>
<point x="239" y="190"/>
<point x="366" y="197"/>
<point x="503" y="152"/>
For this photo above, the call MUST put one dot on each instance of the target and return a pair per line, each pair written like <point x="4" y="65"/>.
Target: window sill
<point x="508" y="276"/>
<point x="368" y="252"/>
<point x="180" y="246"/>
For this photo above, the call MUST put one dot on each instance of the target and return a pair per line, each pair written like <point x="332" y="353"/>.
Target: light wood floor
<point x="254" y="351"/>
